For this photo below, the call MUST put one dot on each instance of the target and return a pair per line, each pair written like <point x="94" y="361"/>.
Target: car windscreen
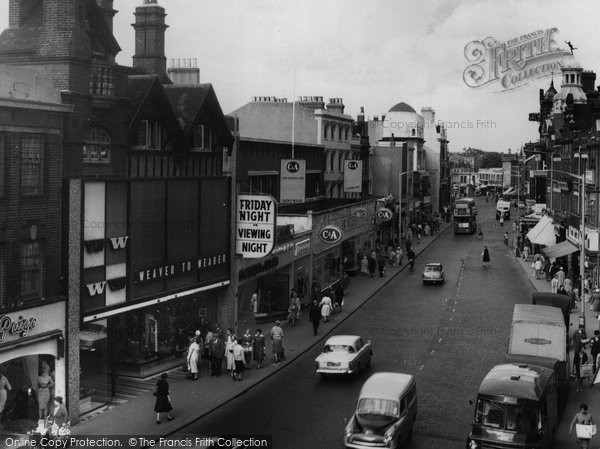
<point x="386" y="407"/>
<point x="338" y="348"/>
<point x="430" y="268"/>
<point x="506" y="417"/>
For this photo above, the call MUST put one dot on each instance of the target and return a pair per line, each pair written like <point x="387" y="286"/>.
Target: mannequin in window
<point x="44" y="384"/>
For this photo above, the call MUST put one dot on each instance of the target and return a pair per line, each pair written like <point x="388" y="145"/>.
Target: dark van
<point x="516" y="407"/>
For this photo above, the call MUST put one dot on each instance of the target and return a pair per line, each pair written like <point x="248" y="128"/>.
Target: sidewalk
<point x="591" y="396"/>
<point x="192" y="400"/>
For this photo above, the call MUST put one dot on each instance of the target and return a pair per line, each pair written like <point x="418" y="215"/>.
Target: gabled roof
<point x="195" y="104"/>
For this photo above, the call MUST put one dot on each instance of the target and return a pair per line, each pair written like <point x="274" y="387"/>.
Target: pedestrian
<point x="228" y="349"/>
<point x="485" y="257"/>
<point x="411" y="259"/>
<point x="238" y="360"/>
<point x="192" y="358"/>
<point x="568" y="283"/>
<point x="381" y="264"/>
<point x="254" y="302"/>
<point x="293" y="307"/>
<point x="364" y="266"/>
<point x="314" y="316"/>
<point x="506" y="238"/>
<point x="339" y="296"/>
<point x="60" y="415"/>
<point x="372" y="264"/>
<point x="561" y="276"/>
<point x="582" y="418"/>
<point x="5" y="388"/>
<point x="427" y="230"/>
<point x="537" y="268"/>
<point x="409" y="237"/>
<point x="595" y="301"/>
<point x="276" y="335"/>
<point x="163" y="398"/>
<point x="399" y="256"/>
<point x="525" y="253"/>
<point x="259" y="347"/>
<point x="392" y="259"/>
<point x="419" y="232"/>
<point x="595" y="348"/>
<point x="345" y="285"/>
<point x="579" y="340"/>
<point x="326" y="305"/>
<point x="554" y="284"/>
<point x="246" y="342"/>
<point x="217" y="353"/>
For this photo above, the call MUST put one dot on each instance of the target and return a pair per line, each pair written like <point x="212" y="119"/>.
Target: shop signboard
<point x="255" y="225"/>
<point x="353" y="176"/>
<point x="384" y="214"/>
<point x="293" y="181"/>
<point x="330" y="234"/>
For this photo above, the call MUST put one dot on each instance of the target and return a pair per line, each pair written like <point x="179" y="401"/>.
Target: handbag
<point x="585" y="431"/>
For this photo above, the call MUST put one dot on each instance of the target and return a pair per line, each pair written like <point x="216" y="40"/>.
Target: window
<point x="333" y="132"/>
<point x="31" y="269"/>
<point x="202" y="138"/>
<point x="326" y="132"/>
<point x="31" y="165"/>
<point x="96" y="146"/>
<point x="340" y="133"/>
<point x="263" y="184"/>
<point x="347" y="132"/>
<point x="2" y="174"/>
<point x="151" y="135"/>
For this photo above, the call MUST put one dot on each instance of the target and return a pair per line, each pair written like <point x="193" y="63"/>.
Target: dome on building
<point x="401" y="107"/>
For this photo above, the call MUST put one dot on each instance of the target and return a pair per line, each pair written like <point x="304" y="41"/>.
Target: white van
<point x="503" y="209"/>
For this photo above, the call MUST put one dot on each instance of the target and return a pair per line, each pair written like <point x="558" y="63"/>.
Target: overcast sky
<point x="371" y="53"/>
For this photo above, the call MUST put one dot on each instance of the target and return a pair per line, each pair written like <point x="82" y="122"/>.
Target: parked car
<point x="385" y="414"/>
<point x="344" y="354"/>
<point x="433" y="273"/>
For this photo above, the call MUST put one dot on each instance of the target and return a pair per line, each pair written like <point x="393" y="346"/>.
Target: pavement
<point x="192" y="400"/>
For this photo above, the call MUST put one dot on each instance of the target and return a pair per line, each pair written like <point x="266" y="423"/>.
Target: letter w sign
<point x="119" y="242"/>
<point x="96" y="288"/>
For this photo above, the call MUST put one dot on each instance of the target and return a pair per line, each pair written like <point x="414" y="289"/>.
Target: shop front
<point x="358" y="238"/>
<point x="154" y="271"/>
<point x="265" y="284"/>
<point x="32" y="359"/>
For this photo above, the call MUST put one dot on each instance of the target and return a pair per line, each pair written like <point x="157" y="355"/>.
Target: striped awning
<point x="560" y="249"/>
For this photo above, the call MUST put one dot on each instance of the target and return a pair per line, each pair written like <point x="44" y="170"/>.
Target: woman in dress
<point x="44" y="384"/>
<point x="60" y="414"/>
<point x="486" y="257"/>
<point x="192" y="358"/>
<point x="364" y="266"/>
<point x="326" y="306"/>
<point x="229" y="350"/>
<point x="163" y="398"/>
<point x="5" y="387"/>
<point x="277" y="341"/>
<point x="258" y="347"/>
<point x="246" y="342"/>
<point x="238" y="360"/>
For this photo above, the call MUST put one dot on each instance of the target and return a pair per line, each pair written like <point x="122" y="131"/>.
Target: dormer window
<point x="151" y="135"/>
<point x="202" y="138"/>
<point x="96" y="145"/>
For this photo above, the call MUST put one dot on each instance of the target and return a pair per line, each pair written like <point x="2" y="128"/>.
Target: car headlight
<point x="472" y="444"/>
<point x="387" y="438"/>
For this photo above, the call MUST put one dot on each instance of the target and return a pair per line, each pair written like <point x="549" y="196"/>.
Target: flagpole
<point x="294" y="116"/>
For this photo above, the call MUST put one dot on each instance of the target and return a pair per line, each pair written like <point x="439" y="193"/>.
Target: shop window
<point x="96" y="146"/>
<point x="202" y="138"/>
<point x="31" y="165"/>
<point x="33" y="385"/>
<point x="31" y="269"/>
<point x="151" y="135"/>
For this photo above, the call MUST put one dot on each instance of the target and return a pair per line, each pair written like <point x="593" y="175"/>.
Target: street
<point x="448" y="336"/>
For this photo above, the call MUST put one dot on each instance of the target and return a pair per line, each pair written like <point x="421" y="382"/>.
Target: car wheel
<point x="323" y="376"/>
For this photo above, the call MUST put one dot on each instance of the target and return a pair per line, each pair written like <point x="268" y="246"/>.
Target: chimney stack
<point x="336" y="105"/>
<point x="150" y="38"/>
<point x="184" y="71"/>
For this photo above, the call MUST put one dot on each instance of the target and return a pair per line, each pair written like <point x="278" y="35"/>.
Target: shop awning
<point x="560" y="249"/>
<point x="543" y="232"/>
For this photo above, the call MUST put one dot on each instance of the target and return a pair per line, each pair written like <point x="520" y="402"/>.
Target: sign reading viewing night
<point x="255" y="230"/>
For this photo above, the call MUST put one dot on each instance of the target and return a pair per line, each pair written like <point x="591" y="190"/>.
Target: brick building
<point x="143" y="163"/>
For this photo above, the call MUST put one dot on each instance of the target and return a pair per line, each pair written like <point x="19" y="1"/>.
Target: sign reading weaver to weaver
<point x="255" y="231"/>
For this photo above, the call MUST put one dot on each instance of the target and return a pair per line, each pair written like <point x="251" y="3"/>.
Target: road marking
<point x="432" y="351"/>
<point x="453" y="310"/>
<point x="422" y="366"/>
<point x="451" y="318"/>
<point x="439" y="340"/>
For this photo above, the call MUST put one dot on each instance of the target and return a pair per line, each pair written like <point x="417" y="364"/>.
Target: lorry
<point x="503" y="209"/>
<point x="539" y="335"/>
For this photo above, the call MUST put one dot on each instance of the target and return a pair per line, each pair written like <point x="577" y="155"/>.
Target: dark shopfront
<point x="150" y="277"/>
<point x="265" y="284"/>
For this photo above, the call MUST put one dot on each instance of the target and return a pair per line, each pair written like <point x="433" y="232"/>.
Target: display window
<point x="327" y="267"/>
<point x="27" y="390"/>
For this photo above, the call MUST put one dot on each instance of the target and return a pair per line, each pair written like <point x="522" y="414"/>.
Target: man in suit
<point x="217" y="351"/>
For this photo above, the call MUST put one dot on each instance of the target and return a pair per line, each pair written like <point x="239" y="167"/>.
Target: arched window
<point x="326" y="131"/>
<point x="96" y="145"/>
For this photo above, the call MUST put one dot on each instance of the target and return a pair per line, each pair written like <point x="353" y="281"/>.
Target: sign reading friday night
<point x="255" y="225"/>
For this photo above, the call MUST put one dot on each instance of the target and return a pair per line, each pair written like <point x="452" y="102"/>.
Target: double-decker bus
<point x="465" y="216"/>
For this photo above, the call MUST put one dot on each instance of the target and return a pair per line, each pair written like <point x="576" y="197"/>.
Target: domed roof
<point x="401" y="107"/>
